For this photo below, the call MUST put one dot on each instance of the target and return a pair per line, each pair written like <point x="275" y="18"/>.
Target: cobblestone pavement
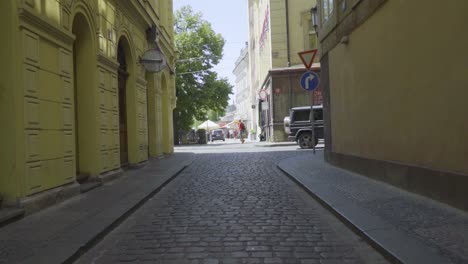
<point x="232" y="207"/>
<point x="434" y="224"/>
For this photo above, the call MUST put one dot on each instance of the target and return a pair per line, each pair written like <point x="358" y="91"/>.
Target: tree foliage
<point x="199" y="90"/>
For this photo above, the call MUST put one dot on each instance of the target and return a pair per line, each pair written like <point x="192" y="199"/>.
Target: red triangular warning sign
<point x="308" y="57"/>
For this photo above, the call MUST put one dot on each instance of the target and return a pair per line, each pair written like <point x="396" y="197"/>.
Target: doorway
<point x="122" y="87"/>
<point x="82" y="72"/>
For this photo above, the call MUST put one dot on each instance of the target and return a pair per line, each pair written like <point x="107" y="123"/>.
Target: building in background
<point x="243" y="89"/>
<point x="278" y="30"/>
<point x="75" y="101"/>
<point x="228" y="120"/>
<point x="395" y="106"/>
<point x="230" y="113"/>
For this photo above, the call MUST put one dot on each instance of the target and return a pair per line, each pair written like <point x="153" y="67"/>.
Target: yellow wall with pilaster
<point x="47" y="99"/>
<point x="48" y="96"/>
<point x="8" y="103"/>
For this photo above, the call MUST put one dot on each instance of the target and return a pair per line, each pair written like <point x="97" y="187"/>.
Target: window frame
<point x="325" y="16"/>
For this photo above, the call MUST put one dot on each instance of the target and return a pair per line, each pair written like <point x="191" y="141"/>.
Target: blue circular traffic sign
<point x="310" y="81"/>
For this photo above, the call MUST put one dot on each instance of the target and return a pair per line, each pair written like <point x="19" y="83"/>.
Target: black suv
<point x="298" y="126"/>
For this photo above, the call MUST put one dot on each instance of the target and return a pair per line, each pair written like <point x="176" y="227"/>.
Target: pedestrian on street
<point x="241" y="130"/>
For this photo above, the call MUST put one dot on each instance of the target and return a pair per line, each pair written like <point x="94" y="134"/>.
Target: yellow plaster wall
<point x="115" y="25"/>
<point x="47" y="8"/>
<point x="279" y="54"/>
<point x="109" y="140"/>
<point x="159" y="126"/>
<point x="48" y="112"/>
<point x="9" y="181"/>
<point x="107" y="34"/>
<point x="46" y="98"/>
<point x="173" y="105"/>
<point x="37" y="94"/>
<point x="142" y="125"/>
<point x="113" y="16"/>
<point x="298" y="9"/>
<point x="274" y="52"/>
<point x="151" y="113"/>
<point x="398" y="89"/>
<point x="83" y="96"/>
<point x="167" y="127"/>
<point x="154" y="115"/>
<point x="260" y="55"/>
<point x="159" y="116"/>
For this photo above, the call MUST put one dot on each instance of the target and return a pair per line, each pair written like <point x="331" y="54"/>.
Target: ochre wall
<point x="80" y="96"/>
<point x="399" y="88"/>
<point x="8" y="98"/>
<point x="278" y="42"/>
<point x="260" y="54"/>
<point x="299" y="16"/>
<point x="48" y="96"/>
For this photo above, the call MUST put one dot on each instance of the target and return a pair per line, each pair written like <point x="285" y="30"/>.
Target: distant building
<point x="230" y="113"/>
<point x="243" y="89"/>
<point x="278" y="30"/>
<point x="395" y="78"/>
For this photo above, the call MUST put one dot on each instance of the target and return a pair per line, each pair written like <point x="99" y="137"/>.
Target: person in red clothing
<point x="241" y="131"/>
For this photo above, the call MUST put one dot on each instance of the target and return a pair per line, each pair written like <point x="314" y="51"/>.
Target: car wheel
<point x="305" y="141"/>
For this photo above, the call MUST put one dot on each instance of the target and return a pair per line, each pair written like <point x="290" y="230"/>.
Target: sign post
<point x="309" y="82"/>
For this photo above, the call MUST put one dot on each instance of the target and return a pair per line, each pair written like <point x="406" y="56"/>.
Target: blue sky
<point x="228" y="18"/>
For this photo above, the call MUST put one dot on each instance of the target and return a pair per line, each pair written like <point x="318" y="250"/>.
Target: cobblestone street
<point x="232" y="205"/>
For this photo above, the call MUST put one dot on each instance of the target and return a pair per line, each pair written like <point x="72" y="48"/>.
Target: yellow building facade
<point x="396" y="78"/>
<point x="75" y="101"/>
<point x="278" y="31"/>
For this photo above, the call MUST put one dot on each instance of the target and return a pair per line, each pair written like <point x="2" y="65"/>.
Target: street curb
<point x="101" y="235"/>
<point x="375" y="244"/>
<point x="10" y="215"/>
<point x="275" y="145"/>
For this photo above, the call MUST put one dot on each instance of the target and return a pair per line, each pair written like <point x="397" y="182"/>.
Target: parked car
<point x="299" y="128"/>
<point x="217" y="135"/>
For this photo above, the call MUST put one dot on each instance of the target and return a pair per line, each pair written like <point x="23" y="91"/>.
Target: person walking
<point x="241" y="131"/>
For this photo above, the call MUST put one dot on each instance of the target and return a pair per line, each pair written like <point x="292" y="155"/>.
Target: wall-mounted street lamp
<point x="314" y="14"/>
<point x="154" y="59"/>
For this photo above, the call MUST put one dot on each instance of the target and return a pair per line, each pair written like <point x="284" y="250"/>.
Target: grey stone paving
<point x="232" y="208"/>
<point x="54" y="234"/>
<point x="436" y="228"/>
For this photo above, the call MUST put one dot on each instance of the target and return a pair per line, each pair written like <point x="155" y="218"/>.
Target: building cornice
<point x="106" y="61"/>
<point x="138" y="11"/>
<point x="29" y="16"/>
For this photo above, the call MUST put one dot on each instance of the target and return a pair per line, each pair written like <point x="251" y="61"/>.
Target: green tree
<point x="216" y="115"/>
<point x="199" y="90"/>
